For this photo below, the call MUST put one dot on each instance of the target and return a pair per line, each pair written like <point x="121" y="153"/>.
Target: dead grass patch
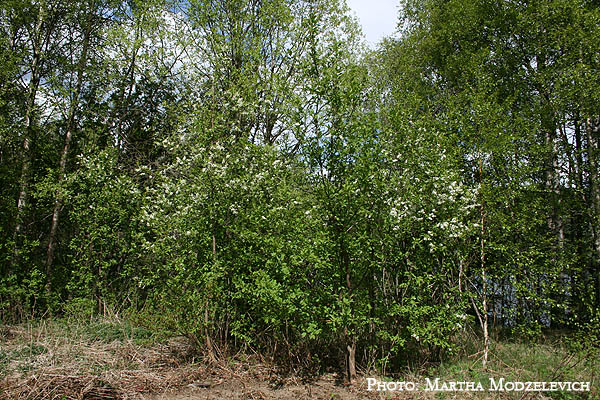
<point x="56" y="362"/>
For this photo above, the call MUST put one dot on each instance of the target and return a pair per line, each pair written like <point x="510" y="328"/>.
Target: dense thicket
<point x="245" y="172"/>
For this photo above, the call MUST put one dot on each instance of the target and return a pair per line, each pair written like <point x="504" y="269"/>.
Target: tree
<point x="499" y="90"/>
<point x="80" y="62"/>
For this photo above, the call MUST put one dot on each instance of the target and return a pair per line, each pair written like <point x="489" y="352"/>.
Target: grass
<point x="66" y="356"/>
<point x="51" y="342"/>
<point x="548" y="359"/>
<point x="107" y="332"/>
<point x="114" y="356"/>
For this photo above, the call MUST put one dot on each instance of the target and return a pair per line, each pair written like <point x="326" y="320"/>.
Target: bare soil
<point x="253" y="387"/>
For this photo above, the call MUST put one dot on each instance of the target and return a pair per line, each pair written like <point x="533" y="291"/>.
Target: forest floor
<point x="97" y="360"/>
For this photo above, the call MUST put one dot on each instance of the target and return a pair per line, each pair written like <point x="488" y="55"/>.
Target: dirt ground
<point x="248" y="382"/>
<point x="45" y="362"/>
<point x="240" y="388"/>
<point x="48" y="362"/>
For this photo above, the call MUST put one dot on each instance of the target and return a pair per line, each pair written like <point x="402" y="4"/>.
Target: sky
<point x="377" y="17"/>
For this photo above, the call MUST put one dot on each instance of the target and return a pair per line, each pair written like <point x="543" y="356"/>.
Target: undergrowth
<point x="93" y="346"/>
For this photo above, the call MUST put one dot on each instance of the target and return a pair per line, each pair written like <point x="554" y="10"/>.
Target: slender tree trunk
<point x="483" y="320"/>
<point x="120" y="112"/>
<point x="593" y="131"/>
<point x="209" y="345"/>
<point x="350" y="339"/>
<point x="460" y="274"/>
<point x="549" y="128"/>
<point x="553" y="186"/>
<point x="578" y="152"/>
<point x="28" y="133"/>
<point x="58" y="202"/>
<point x="24" y="183"/>
<point x="579" y="220"/>
<point x="207" y="331"/>
<point x="486" y="335"/>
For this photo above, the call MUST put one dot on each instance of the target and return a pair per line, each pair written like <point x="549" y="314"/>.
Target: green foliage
<point x="245" y="197"/>
<point x="245" y="173"/>
<point x="103" y="247"/>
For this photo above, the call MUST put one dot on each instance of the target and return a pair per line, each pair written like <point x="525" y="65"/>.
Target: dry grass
<point x="99" y="359"/>
<point x="50" y="362"/>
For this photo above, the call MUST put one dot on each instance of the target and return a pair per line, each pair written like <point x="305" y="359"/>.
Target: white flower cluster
<point x="440" y="204"/>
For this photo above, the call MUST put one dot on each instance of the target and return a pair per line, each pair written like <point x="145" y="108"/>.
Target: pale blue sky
<point x="377" y="17"/>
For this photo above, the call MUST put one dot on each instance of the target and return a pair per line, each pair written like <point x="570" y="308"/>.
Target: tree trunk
<point x="553" y="186"/>
<point x="483" y="319"/>
<point x="351" y="360"/>
<point x="349" y="337"/>
<point x="486" y="335"/>
<point x="592" y="131"/>
<point x="120" y="111"/>
<point x="579" y="221"/>
<point x="549" y="128"/>
<point x="65" y="151"/>
<point x="28" y="133"/>
<point x="207" y="331"/>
